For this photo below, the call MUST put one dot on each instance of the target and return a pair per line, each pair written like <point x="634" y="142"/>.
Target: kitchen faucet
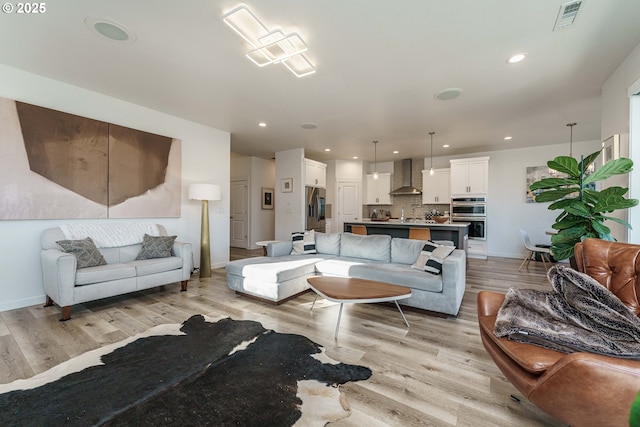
<point x="415" y="219"/>
<point x="402" y="214"/>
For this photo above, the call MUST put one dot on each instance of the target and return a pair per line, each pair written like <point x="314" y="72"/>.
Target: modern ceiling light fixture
<point x="110" y="30"/>
<point x="431" y="168"/>
<point x="508" y="138"/>
<point x="571" y="125"/>
<point x="375" y="159"/>
<point x="516" y="58"/>
<point x="269" y="46"/>
<point x="448" y="94"/>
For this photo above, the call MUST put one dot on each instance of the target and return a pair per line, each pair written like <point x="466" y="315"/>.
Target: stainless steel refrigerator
<point x="315" y="200"/>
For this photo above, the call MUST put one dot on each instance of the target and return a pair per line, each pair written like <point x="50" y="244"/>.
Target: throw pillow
<point x="303" y="243"/>
<point x="85" y="251"/>
<point x="432" y="256"/>
<point x="156" y="247"/>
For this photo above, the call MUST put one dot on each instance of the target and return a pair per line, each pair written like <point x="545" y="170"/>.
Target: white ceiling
<point x="379" y="64"/>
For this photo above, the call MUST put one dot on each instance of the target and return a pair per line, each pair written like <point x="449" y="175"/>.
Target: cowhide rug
<point x="202" y="372"/>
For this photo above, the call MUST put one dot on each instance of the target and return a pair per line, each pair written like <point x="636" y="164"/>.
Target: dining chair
<point x="532" y="250"/>
<point x="359" y="229"/>
<point x="420" y="233"/>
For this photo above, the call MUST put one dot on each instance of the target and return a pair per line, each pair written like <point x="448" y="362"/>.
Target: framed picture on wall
<point x="287" y="185"/>
<point x="267" y="198"/>
<point x="611" y="149"/>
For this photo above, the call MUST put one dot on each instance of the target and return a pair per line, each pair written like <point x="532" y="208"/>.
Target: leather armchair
<point x="580" y="389"/>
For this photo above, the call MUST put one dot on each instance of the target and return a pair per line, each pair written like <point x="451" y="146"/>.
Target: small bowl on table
<point x="441" y="219"/>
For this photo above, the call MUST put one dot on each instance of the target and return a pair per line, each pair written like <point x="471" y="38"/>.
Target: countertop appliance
<point x="315" y="199"/>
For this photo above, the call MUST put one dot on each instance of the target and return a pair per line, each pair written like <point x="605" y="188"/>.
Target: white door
<point x="349" y="204"/>
<point x="239" y="214"/>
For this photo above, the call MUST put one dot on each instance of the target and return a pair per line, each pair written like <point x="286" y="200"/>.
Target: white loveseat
<point x="281" y="276"/>
<point x="66" y="285"/>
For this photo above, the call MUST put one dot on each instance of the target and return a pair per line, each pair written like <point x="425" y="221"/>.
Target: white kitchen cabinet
<point x="315" y="174"/>
<point x="436" y="187"/>
<point x="469" y="176"/>
<point x="378" y="189"/>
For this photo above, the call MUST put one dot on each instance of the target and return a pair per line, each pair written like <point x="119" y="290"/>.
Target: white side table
<point x="264" y="244"/>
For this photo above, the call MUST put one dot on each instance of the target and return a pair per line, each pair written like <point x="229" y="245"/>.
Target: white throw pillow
<point x="303" y="243"/>
<point x="431" y="257"/>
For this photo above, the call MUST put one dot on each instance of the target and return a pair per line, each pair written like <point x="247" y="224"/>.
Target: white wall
<point x="205" y="158"/>
<point x="615" y="120"/>
<point x="289" y="206"/>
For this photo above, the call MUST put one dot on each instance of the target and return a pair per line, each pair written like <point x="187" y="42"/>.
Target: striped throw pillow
<point x="303" y="243"/>
<point x="432" y="256"/>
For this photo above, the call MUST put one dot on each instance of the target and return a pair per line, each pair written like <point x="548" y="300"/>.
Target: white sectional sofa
<point x="65" y="284"/>
<point x="280" y="276"/>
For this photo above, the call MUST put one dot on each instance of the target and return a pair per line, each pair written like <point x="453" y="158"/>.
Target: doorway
<point x="239" y="219"/>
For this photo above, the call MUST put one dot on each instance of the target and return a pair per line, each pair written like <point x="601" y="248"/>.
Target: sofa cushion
<point x="303" y="243"/>
<point x="432" y="256"/>
<point x="275" y="269"/>
<point x="156" y="247"/>
<point x="375" y="247"/>
<point x="397" y="274"/>
<point x="85" y="251"/>
<point x="328" y="243"/>
<point x="146" y="267"/>
<point x="338" y="266"/>
<point x="104" y="273"/>
<point x="405" y="251"/>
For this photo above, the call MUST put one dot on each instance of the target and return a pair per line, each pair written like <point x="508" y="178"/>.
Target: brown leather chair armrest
<point x="489" y="303"/>
<point x="569" y="389"/>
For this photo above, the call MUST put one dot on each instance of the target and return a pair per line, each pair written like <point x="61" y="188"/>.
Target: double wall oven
<point x="474" y="211"/>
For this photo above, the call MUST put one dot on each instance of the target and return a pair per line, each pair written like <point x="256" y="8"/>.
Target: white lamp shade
<point x="204" y="192"/>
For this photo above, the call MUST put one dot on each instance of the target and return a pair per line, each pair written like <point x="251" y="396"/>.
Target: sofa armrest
<point x="279" y="248"/>
<point x="59" y="275"/>
<point x="454" y="276"/>
<point x="184" y="251"/>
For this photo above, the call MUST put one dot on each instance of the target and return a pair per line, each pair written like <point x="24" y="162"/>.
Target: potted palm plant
<point x="584" y="210"/>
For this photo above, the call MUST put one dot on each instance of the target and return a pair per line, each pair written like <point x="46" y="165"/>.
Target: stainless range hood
<point x="407" y="182"/>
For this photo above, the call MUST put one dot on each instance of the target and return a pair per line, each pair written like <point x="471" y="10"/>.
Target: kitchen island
<point x="458" y="232"/>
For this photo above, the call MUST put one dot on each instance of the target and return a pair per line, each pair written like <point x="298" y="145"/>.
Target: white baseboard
<point x="21" y="303"/>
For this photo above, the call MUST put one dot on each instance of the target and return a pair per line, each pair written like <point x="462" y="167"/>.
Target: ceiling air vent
<point x="567" y="15"/>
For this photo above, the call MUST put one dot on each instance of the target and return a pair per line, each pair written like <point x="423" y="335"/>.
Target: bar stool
<point x="420" y="233"/>
<point x="359" y="229"/>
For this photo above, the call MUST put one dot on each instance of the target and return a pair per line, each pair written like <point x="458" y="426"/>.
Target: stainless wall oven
<point x="474" y="211"/>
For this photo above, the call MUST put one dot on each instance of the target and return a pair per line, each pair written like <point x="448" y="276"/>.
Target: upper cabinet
<point x="436" y="187"/>
<point x="469" y="176"/>
<point x="378" y="190"/>
<point x="315" y="174"/>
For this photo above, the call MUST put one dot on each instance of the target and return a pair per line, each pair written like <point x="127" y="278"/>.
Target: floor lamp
<point x="204" y="192"/>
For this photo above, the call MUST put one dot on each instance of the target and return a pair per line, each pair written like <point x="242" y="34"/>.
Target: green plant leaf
<point x="614" y="167"/>
<point x="584" y="164"/>
<point x="568" y="222"/>
<point x="560" y="204"/>
<point x="552" y="195"/>
<point x="579" y="209"/>
<point x="562" y="251"/>
<point x="610" y="203"/>
<point x="552" y="183"/>
<point x="614" y="191"/>
<point x="618" y="220"/>
<point x="565" y="164"/>
<point x="602" y="229"/>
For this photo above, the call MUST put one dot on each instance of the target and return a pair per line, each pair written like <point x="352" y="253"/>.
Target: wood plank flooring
<point x="436" y="373"/>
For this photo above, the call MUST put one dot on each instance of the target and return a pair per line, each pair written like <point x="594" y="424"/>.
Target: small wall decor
<point x="287" y="185"/>
<point x="611" y="149"/>
<point x="267" y="198"/>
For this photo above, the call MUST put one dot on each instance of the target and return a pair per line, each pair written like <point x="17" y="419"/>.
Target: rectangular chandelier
<point x="269" y="47"/>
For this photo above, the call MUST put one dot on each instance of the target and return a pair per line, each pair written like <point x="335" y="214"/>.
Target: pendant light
<point x="431" y="169"/>
<point x="571" y="125"/>
<point x="375" y="159"/>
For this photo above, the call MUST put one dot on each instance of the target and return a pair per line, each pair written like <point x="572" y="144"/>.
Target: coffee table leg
<point x="339" y="317"/>
<point x="400" y="310"/>
<point x="314" y="301"/>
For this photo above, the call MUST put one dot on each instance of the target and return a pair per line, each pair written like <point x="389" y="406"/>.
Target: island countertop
<point x="458" y="232"/>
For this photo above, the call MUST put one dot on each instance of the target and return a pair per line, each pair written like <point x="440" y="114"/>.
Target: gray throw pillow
<point x="156" y="247"/>
<point x="84" y="250"/>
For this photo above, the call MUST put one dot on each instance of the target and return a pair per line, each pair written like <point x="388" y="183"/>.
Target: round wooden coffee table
<point x="351" y="290"/>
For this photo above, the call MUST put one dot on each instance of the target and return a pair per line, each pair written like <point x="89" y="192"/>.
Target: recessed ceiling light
<point x="447" y="94"/>
<point x="327" y="149"/>
<point x="262" y="124"/>
<point x="309" y="125"/>
<point x="396" y="152"/>
<point x="109" y="29"/>
<point x="355" y="157"/>
<point x="516" y="58"/>
<point x="508" y="138"/>
<point x="445" y="146"/>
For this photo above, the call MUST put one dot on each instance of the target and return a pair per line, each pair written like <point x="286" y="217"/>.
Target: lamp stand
<point x="205" y="248"/>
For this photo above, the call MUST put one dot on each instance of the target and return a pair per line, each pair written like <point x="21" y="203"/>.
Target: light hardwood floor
<point x="436" y="373"/>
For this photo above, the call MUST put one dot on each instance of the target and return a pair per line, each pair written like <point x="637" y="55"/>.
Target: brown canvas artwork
<point x="59" y="165"/>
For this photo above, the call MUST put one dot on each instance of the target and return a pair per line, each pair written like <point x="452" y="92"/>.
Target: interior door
<point x="239" y="231"/>
<point x="349" y="204"/>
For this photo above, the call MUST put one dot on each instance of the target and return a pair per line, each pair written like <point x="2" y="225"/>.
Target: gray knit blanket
<point x="579" y="314"/>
